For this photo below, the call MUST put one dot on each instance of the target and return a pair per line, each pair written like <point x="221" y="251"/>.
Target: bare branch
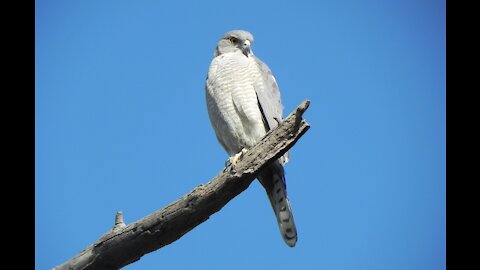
<point x="123" y="245"/>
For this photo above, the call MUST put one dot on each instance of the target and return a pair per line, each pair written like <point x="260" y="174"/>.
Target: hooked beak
<point x="246" y="49"/>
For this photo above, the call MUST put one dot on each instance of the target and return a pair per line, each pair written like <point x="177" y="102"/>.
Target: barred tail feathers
<point x="273" y="180"/>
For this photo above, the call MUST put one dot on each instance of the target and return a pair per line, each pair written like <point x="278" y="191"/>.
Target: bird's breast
<point x="232" y="101"/>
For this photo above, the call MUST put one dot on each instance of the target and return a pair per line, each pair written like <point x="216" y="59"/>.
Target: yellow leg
<point x="234" y="159"/>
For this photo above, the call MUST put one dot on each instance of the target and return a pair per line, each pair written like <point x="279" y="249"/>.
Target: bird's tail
<point x="273" y="180"/>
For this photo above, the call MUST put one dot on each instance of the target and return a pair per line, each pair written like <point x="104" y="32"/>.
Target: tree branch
<point x="123" y="245"/>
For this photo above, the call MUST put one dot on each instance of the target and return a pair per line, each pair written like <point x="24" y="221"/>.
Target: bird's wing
<point x="269" y="101"/>
<point x="268" y="95"/>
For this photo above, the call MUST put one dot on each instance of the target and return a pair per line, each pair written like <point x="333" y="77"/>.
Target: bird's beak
<point x="246" y="49"/>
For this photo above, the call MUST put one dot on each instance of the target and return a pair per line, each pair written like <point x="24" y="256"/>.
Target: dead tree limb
<point x="125" y="244"/>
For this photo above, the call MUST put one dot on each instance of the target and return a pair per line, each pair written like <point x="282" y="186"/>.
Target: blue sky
<point x="121" y="124"/>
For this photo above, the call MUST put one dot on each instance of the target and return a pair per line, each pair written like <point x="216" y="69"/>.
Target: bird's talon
<point x="235" y="158"/>
<point x="278" y="120"/>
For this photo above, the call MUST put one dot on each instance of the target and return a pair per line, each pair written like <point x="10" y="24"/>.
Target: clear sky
<point x="121" y="124"/>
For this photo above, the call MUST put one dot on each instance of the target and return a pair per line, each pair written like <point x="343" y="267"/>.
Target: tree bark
<point x="123" y="244"/>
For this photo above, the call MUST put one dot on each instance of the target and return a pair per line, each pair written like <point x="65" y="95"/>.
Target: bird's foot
<point x="235" y="158"/>
<point x="277" y="120"/>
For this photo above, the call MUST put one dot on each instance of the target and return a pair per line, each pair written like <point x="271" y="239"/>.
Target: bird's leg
<point x="235" y="158"/>
<point x="277" y="120"/>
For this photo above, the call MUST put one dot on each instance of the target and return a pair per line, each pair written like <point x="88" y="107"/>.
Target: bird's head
<point x="235" y="40"/>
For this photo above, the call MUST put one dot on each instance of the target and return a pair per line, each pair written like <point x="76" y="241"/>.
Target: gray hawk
<point x="243" y="102"/>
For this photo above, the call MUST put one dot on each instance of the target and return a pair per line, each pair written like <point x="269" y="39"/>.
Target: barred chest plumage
<point x="232" y="101"/>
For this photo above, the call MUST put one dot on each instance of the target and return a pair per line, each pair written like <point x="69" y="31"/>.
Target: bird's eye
<point x="233" y="39"/>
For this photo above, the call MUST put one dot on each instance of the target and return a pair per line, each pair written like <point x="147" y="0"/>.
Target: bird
<point x="244" y="103"/>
